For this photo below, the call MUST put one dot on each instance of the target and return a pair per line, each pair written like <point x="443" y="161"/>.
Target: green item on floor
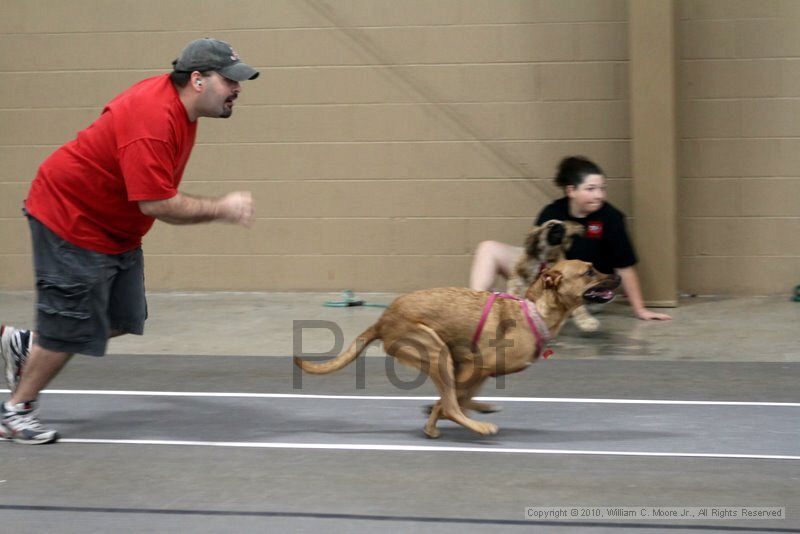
<point x="348" y="300"/>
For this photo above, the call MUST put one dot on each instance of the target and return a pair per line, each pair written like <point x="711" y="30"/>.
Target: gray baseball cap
<point x="211" y="54"/>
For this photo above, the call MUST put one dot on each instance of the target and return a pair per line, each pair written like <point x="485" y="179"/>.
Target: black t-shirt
<point x="605" y="243"/>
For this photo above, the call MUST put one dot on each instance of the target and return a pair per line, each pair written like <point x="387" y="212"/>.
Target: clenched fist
<point x="237" y="208"/>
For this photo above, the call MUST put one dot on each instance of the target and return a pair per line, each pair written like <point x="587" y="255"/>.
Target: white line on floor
<point x="409" y="398"/>
<point x="425" y="448"/>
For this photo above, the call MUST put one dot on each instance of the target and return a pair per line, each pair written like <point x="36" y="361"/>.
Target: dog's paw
<point x="432" y="433"/>
<point x="584" y="320"/>
<point x="486" y="429"/>
<point x="587" y="323"/>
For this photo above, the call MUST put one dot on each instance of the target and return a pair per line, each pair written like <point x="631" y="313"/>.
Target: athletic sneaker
<point x="20" y="423"/>
<point x="15" y="344"/>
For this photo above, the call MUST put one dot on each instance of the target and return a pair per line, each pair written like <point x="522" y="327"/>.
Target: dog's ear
<point x="532" y="246"/>
<point x="555" y="234"/>
<point x="552" y="279"/>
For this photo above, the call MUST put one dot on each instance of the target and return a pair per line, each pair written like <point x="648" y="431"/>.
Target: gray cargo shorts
<point x="82" y="295"/>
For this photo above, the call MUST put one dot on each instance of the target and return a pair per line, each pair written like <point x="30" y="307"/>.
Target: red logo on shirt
<point x="594" y="229"/>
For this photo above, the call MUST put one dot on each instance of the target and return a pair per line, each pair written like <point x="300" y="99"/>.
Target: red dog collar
<point x="535" y="322"/>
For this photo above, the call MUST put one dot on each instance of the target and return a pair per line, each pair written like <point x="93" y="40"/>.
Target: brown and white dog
<point x="545" y="245"/>
<point x="436" y="331"/>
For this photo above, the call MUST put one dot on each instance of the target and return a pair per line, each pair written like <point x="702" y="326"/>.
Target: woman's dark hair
<point x="574" y="169"/>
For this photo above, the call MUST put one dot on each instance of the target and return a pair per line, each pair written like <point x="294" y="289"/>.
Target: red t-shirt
<point x="87" y="191"/>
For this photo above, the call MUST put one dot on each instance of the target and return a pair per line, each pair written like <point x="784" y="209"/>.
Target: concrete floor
<point x="203" y="425"/>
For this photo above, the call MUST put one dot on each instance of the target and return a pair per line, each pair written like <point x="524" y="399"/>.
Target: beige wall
<point x="740" y="148"/>
<point x="386" y="138"/>
<point x="654" y="139"/>
<point x="382" y="142"/>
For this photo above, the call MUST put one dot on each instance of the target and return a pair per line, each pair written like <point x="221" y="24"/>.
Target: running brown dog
<point x="436" y="331"/>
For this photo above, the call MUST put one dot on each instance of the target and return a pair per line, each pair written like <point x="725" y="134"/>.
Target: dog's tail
<point x="352" y="352"/>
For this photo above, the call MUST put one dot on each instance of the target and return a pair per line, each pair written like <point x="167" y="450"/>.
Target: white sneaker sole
<point x="48" y="437"/>
<point x="39" y="441"/>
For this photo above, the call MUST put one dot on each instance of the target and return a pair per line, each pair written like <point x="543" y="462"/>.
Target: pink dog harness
<point x="539" y="329"/>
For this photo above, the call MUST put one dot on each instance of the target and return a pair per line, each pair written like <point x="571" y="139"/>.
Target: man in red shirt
<point x="89" y="206"/>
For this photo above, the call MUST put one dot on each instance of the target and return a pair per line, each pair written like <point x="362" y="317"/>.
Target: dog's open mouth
<point x="601" y="293"/>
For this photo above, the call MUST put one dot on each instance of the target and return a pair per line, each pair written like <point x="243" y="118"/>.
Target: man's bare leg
<point x="41" y="366"/>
